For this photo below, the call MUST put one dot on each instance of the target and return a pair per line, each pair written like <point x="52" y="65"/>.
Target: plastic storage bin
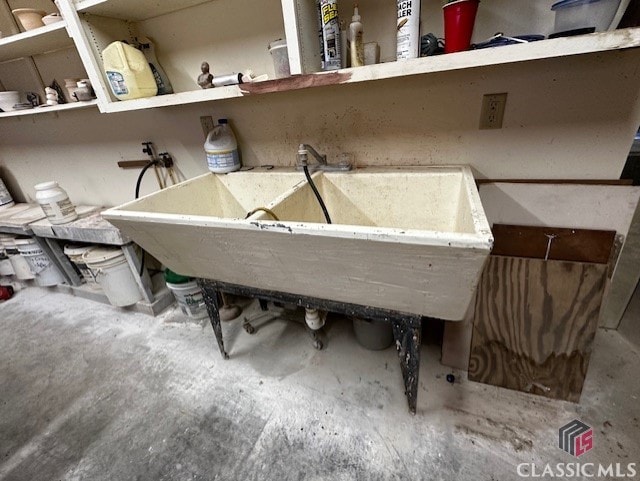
<point x="578" y="14"/>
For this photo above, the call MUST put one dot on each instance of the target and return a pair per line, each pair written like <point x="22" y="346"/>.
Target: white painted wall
<point x="561" y="121"/>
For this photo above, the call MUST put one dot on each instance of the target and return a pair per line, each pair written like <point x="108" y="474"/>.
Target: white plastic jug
<point x="128" y="72"/>
<point x="221" y="148"/>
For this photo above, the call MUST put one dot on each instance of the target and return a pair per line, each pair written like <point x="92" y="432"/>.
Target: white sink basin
<point x="412" y="240"/>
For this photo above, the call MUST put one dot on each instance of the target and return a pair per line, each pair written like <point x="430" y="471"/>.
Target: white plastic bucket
<point x="45" y="271"/>
<point x="113" y="274"/>
<point x="75" y="253"/>
<point x="190" y="299"/>
<point x="280" y="57"/>
<point x="6" y="200"/>
<point x="6" y="269"/>
<point x="19" y="264"/>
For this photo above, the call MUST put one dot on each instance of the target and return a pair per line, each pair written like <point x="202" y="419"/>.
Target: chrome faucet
<point x="303" y="160"/>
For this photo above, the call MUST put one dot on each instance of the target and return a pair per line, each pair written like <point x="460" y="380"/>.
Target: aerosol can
<point x="329" y="34"/>
<point x="408" y="40"/>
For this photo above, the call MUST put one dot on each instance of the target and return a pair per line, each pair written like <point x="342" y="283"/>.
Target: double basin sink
<point x="409" y="239"/>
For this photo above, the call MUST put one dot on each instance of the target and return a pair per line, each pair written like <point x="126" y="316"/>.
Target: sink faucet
<point x="303" y="159"/>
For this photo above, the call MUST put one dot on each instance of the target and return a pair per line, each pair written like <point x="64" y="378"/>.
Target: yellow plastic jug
<point x="128" y="72"/>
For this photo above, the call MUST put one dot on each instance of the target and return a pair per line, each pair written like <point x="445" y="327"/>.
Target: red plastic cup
<point x="459" y="18"/>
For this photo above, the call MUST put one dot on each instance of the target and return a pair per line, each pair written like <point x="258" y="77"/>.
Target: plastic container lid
<point x="46" y="185"/>
<point x="98" y="255"/>
<point x="280" y="43"/>
<point x="24" y="242"/>
<point x="75" y="250"/>
<point x="571" y="3"/>
<point x="173" y="278"/>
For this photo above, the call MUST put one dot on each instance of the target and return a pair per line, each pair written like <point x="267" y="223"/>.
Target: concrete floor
<point x="92" y="392"/>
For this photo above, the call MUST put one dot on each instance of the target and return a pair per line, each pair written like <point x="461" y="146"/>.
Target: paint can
<point x="113" y="274"/>
<point x="18" y="263"/>
<point x="6" y="200"/>
<point x="190" y="298"/>
<point x="408" y="37"/>
<point x="45" y="272"/>
<point x="74" y="253"/>
<point x="373" y="335"/>
<point x="329" y="34"/>
<point x="6" y="269"/>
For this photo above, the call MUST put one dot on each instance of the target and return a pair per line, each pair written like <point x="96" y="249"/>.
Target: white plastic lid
<point x="280" y="43"/>
<point x="46" y="185"/>
<point x="24" y="242"/>
<point x="75" y="250"/>
<point x="96" y="255"/>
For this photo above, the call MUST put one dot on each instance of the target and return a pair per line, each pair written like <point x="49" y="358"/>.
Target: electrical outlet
<point x="493" y="106"/>
<point x="206" y="121"/>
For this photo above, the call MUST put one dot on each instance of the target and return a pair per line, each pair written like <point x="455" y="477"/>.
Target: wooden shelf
<point x="40" y="40"/>
<point x="48" y="110"/>
<point x="491" y="57"/>
<point x="136" y="10"/>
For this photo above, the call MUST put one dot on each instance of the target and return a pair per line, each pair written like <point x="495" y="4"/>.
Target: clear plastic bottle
<point x="221" y="148"/>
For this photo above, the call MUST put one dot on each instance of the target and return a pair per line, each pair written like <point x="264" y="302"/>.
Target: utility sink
<point x="410" y="239"/>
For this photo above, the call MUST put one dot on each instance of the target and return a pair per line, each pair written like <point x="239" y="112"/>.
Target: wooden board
<point x="553" y="243"/>
<point x="456" y="340"/>
<point x="534" y="325"/>
<point x="625" y="277"/>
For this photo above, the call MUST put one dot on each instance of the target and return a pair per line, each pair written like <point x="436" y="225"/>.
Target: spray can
<point x="329" y="34"/>
<point x="408" y="41"/>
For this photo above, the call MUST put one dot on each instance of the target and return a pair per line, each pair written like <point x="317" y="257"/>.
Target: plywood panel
<point x="534" y="325"/>
<point x="553" y="243"/>
<point x="456" y="341"/>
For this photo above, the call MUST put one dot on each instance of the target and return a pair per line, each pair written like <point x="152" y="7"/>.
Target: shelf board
<point x="48" y="110"/>
<point x="136" y="10"/>
<point x="491" y="57"/>
<point x="33" y="42"/>
<point x="182" y="98"/>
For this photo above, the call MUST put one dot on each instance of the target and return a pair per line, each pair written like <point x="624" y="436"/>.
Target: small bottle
<point x="55" y="203"/>
<point x="221" y="148"/>
<point x="356" y="45"/>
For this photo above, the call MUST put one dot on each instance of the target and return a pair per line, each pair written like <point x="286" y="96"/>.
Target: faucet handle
<point x="303" y="154"/>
